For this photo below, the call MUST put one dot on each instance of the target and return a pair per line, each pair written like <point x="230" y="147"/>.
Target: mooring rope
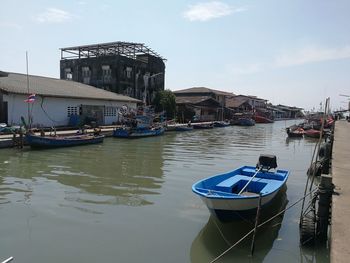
<point x="260" y="225"/>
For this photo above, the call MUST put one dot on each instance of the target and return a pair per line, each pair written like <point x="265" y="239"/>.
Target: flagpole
<point x="29" y="121"/>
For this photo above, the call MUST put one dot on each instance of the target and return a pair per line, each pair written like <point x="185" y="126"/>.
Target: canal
<point x="131" y="200"/>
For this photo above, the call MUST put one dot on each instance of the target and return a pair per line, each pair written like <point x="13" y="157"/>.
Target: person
<point x="189" y="124"/>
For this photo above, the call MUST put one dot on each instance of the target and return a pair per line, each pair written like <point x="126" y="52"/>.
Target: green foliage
<point x="165" y="100"/>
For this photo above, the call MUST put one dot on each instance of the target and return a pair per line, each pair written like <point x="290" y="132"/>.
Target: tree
<point x="165" y="100"/>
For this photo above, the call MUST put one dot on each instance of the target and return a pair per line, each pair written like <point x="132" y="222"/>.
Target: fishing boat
<point x="295" y="131"/>
<point x="242" y="119"/>
<point x="312" y="133"/>
<point x="183" y="128"/>
<point x="236" y="193"/>
<point x="221" y="124"/>
<point x="262" y="119"/>
<point x="129" y="132"/>
<point x="38" y="141"/>
<point x="203" y="126"/>
<point x="140" y="126"/>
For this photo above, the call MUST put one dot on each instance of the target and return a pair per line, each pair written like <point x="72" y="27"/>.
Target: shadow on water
<point x="96" y="173"/>
<point x="216" y="237"/>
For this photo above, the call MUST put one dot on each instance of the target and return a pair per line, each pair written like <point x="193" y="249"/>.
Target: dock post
<point x="323" y="213"/>
<point x="252" y="247"/>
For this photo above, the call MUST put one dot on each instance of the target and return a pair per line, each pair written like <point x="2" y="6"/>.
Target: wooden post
<point x="252" y="247"/>
<point x="323" y="212"/>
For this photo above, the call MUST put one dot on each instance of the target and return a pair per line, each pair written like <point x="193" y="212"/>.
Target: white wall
<point x="51" y="111"/>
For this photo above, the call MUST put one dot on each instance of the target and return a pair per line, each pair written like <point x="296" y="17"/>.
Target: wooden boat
<point x="140" y="126"/>
<point x="243" y="119"/>
<point x="203" y="126"/>
<point x="262" y="119"/>
<point x="295" y="132"/>
<point x="236" y="193"/>
<point x="246" y="122"/>
<point x="127" y="132"/>
<point x="183" y="128"/>
<point x="36" y="141"/>
<point x="221" y="124"/>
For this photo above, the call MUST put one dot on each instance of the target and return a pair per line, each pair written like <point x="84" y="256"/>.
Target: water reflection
<point x="216" y="236"/>
<point x="118" y="172"/>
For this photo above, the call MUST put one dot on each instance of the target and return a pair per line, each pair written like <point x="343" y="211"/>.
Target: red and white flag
<point x="30" y="99"/>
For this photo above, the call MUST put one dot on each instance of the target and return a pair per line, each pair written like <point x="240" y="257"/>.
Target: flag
<point x="30" y="99"/>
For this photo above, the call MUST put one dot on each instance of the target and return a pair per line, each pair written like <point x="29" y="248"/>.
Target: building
<point x="203" y="103"/>
<point x="57" y="102"/>
<point x="131" y="69"/>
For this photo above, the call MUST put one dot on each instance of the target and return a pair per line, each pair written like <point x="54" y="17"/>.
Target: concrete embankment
<point x="340" y="229"/>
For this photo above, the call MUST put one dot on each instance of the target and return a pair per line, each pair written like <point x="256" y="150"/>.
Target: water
<point x="131" y="200"/>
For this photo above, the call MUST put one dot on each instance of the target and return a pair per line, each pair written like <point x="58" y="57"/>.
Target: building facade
<point x="57" y="102"/>
<point x="130" y="69"/>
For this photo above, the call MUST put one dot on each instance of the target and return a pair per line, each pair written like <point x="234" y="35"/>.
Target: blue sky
<point x="293" y="52"/>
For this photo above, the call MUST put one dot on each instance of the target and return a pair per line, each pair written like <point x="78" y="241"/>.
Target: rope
<point x="260" y="225"/>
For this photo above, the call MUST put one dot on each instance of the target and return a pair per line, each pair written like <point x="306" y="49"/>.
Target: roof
<point x="51" y="87"/>
<point x="235" y="102"/>
<point x="203" y="90"/>
<point x="252" y="97"/>
<point x="194" y="100"/>
<point x="128" y="49"/>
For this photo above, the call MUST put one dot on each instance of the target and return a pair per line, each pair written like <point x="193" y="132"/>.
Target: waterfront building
<point x="203" y="103"/>
<point x="56" y="102"/>
<point x="131" y="69"/>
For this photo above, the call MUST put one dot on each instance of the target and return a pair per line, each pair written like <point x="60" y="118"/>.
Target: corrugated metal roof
<point x="194" y="99"/>
<point x="17" y="83"/>
<point x="235" y="102"/>
<point x="203" y="90"/>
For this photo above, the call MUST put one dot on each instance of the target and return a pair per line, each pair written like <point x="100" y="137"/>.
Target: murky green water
<point x="131" y="200"/>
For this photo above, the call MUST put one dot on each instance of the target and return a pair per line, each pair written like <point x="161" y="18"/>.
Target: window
<point x="128" y="72"/>
<point x="85" y="71"/>
<point x="110" y="111"/>
<point x="72" y="111"/>
<point x="68" y="74"/>
<point x="86" y="74"/>
<point x="106" y="73"/>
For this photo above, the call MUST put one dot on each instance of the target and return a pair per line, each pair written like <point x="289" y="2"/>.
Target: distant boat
<point x="127" y="132"/>
<point x="183" y="128"/>
<point x="295" y="131"/>
<point x="140" y="126"/>
<point x="262" y="119"/>
<point x="203" y="125"/>
<point x="312" y="133"/>
<point x="242" y="119"/>
<point x="36" y="141"/>
<point x="221" y="124"/>
<point x="236" y="193"/>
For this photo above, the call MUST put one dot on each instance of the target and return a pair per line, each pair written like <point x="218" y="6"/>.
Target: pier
<point x="340" y="233"/>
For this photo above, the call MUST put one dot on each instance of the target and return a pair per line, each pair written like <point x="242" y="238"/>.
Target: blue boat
<point x="236" y="193"/>
<point x="140" y="126"/>
<point x="36" y="141"/>
<point x="221" y="124"/>
<point x="127" y="132"/>
<point x="183" y="128"/>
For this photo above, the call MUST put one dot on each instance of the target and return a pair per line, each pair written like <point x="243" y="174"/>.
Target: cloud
<point x="310" y="55"/>
<point x="209" y="10"/>
<point x="53" y="16"/>
<point x="10" y="25"/>
<point x="297" y="57"/>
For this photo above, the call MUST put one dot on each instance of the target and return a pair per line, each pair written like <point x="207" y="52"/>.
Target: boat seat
<point x="264" y="175"/>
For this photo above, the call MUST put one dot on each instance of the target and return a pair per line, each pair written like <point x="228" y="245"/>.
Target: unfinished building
<point x="126" y="68"/>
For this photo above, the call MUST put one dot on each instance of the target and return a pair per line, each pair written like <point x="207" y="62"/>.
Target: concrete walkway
<point x="340" y="235"/>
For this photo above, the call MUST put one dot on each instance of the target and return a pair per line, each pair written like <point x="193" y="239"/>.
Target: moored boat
<point x="183" y="128"/>
<point x="295" y="132"/>
<point x="36" y="141"/>
<point x="236" y="193"/>
<point x="262" y="119"/>
<point x="127" y="132"/>
<point x="203" y="125"/>
<point x="312" y="133"/>
<point x="221" y="124"/>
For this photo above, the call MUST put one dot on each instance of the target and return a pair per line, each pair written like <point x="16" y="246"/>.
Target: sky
<point x="290" y="52"/>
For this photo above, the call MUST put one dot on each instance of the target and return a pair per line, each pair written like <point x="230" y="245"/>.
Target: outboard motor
<point x="267" y="162"/>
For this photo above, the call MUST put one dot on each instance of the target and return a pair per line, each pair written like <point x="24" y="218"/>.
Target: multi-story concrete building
<point x="131" y="69"/>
